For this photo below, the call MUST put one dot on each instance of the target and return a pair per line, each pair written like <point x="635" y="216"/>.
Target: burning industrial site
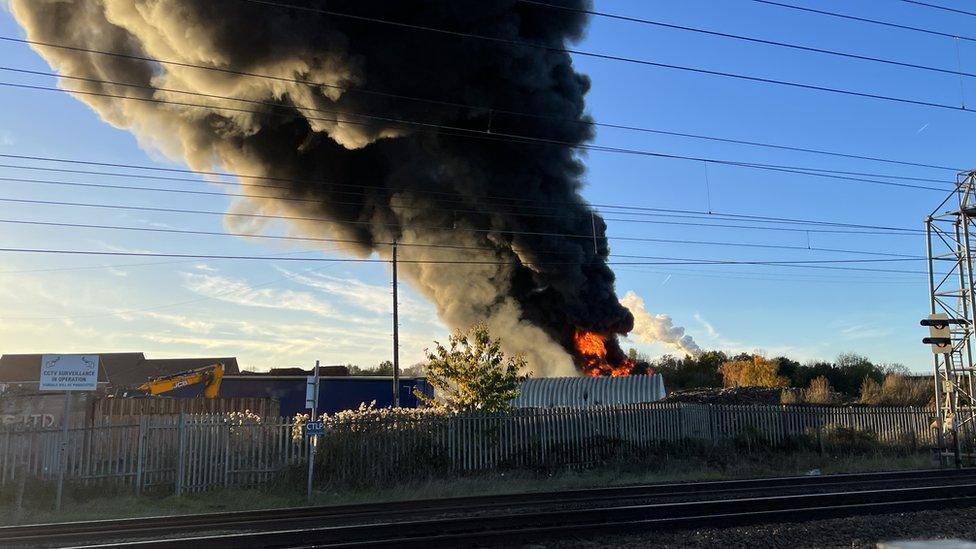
<point x="293" y="273"/>
<point x="353" y="136"/>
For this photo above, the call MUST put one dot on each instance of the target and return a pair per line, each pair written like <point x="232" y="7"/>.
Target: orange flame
<point x="592" y="349"/>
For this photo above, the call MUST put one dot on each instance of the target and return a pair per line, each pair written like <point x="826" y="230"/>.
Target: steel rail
<point x="94" y="532"/>
<point x="528" y="525"/>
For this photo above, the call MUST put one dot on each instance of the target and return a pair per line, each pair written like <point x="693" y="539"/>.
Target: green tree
<point x="854" y="368"/>
<point x="414" y="370"/>
<point x="385" y="368"/>
<point x="688" y="372"/>
<point x="472" y="373"/>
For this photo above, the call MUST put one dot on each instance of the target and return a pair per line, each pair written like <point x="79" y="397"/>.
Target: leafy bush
<point x="754" y="372"/>
<point x="472" y="373"/>
<point x="370" y="445"/>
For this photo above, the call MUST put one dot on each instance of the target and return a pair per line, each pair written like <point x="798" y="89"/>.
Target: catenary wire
<point x="659" y="260"/>
<point x="611" y="57"/>
<point x="938" y="7"/>
<point x="643" y="62"/>
<point x="526" y="233"/>
<point x="792" y="277"/>
<point x="763" y="41"/>
<point x="497" y="136"/>
<point x="618" y="126"/>
<point x="867" y="20"/>
<point x="602" y="208"/>
<point x="657" y="212"/>
<point x="191" y="232"/>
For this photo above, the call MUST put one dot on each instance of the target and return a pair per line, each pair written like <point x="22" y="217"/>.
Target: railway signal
<point x="940" y="336"/>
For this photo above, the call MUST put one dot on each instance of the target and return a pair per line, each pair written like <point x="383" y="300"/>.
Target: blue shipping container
<point x="336" y="393"/>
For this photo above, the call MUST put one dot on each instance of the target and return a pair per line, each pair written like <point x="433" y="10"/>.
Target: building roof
<point x="116" y="369"/>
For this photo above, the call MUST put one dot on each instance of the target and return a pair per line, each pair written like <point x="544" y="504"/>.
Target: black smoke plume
<point x="511" y="207"/>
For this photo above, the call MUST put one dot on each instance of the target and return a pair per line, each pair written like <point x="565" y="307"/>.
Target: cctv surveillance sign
<point x="69" y="372"/>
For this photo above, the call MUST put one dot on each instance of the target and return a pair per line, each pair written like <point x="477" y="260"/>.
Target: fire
<point x="592" y="349"/>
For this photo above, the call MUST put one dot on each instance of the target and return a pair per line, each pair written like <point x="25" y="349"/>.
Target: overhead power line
<point x="629" y="209"/>
<point x="658" y="260"/>
<point x="943" y="8"/>
<point x="867" y="20"/>
<point x="608" y="57"/>
<point x="801" y="277"/>
<point x="763" y="41"/>
<point x="619" y="58"/>
<point x="864" y="281"/>
<point x="158" y="230"/>
<point x="517" y="138"/>
<point x="156" y="209"/>
<point x="650" y="212"/>
<point x="127" y="265"/>
<point x="617" y="126"/>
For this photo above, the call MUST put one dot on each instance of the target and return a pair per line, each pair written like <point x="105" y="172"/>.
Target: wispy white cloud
<point x="116" y="248"/>
<point x="241" y="292"/>
<point x="707" y="325"/>
<point x="232" y="345"/>
<point x="278" y="327"/>
<point x="369" y="297"/>
<point x="187" y="323"/>
<point x="715" y="340"/>
<point x="858" y="332"/>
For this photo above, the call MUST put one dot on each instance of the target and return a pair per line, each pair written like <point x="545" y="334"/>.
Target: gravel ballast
<point x="861" y="531"/>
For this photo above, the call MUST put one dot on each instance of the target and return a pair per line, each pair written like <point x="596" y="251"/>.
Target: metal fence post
<point x="141" y="454"/>
<point x="20" y="472"/>
<point x="63" y="450"/>
<point x="681" y="423"/>
<point x="711" y="425"/>
<point x="226" y="427"/>
<point x="180" y="450"/>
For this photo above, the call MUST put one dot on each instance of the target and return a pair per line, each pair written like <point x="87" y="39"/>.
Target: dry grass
<point x="91" y="505"/>
<point x="819" y="392"/>
<point x="896" y="390"/>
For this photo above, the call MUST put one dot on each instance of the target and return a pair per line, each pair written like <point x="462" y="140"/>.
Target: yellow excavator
<point x="210" y="376"/>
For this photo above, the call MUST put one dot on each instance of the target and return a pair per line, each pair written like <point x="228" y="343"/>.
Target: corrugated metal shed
<point x="581" y="392"/>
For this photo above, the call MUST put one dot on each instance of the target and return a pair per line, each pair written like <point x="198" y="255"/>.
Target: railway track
<point x="508" y="518"/>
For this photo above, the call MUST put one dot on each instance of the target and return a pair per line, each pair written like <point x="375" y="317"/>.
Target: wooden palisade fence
<point x="189" y="453"/>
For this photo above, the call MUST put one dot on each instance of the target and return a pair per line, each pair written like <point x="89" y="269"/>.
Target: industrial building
<point x="338" y="390"/>
<point x="119" y="372"/>
<point x="116" y="371"/>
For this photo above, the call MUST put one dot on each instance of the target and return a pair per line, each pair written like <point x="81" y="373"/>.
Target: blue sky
<point x="276" y="314"/>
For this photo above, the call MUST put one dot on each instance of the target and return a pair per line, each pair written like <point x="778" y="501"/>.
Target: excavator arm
<point x="210" y="376"/>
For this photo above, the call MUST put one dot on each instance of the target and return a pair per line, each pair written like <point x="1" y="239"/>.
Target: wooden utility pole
<point x="396" y="334"/>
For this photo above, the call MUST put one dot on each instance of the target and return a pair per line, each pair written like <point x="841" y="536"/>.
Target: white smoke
<point x="658" y="328"/>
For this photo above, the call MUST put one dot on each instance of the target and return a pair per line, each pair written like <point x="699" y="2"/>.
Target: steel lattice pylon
<point x="950" y="231"/>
